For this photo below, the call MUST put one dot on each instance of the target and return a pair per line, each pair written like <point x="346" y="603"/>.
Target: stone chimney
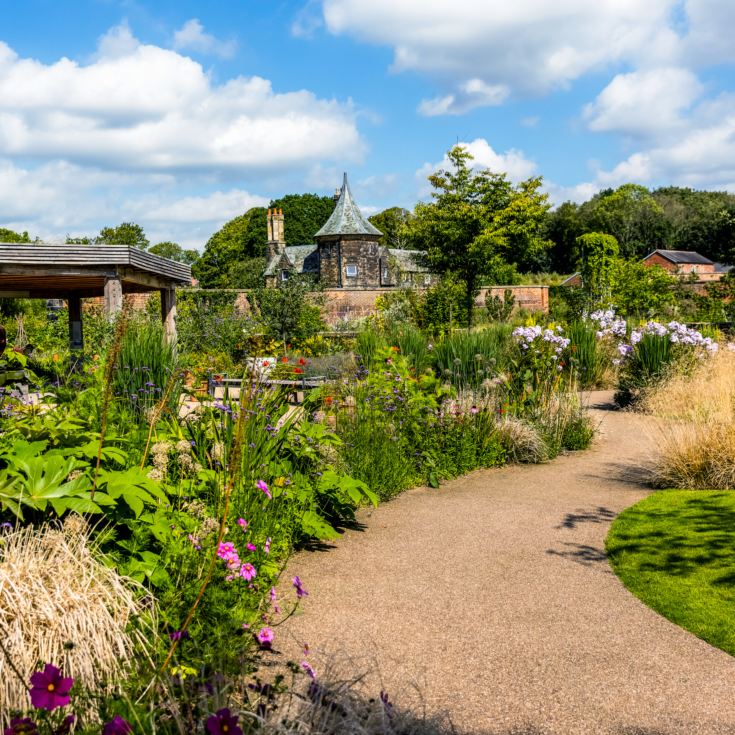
<point x="276" y="233"/>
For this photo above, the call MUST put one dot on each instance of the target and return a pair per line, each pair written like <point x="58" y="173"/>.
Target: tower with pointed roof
<point x="349" y="246"/>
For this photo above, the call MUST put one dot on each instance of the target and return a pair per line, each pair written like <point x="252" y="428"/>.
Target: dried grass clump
<point x="696" y="434"/>
<point x="333" y="705"/>
<point x="521" y="440"/>
<point x="60" y="604"/>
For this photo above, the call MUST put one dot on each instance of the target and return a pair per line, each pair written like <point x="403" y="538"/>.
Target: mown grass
<point x="675" y="550"/>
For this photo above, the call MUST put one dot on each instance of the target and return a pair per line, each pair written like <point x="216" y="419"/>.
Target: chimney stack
<point x="276" y="233"/>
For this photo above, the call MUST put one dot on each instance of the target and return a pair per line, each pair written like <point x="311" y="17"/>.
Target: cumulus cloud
<point x="483" y="51"/>
<point x="139" y="106"/>
<point x="60" y="198"/>
<point x="645" y="103"/>
<point x="192" y="37"/>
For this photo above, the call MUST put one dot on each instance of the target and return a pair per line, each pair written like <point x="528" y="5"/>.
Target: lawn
<point x="675" y="551"/>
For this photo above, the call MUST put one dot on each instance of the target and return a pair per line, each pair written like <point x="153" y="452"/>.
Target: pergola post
<point x="168" y="314"/>
<point x="113" y="296"/>
<point x="76" y="332"/>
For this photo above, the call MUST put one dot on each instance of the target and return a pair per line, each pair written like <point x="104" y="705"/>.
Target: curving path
<point x="493" y="594"/>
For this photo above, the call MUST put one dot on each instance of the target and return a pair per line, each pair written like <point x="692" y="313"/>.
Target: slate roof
<point x="301" y="258"/>
<point x="722" y="268"/>
<point x="681" y="256"/>
<point x="347" y="218"/>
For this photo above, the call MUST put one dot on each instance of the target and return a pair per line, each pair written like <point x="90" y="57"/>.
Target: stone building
<point x="347" y="253"/>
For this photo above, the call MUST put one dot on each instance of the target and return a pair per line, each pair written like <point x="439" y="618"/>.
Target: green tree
<point x="642" y="290"/>
<point x="599" y="259"/>
<point x="234" y="252"/>
<point x="174" y="251"/>
<point x="631" y="215"/>
<point x="479" y="222"/>
<point x="292" y="310"/>
<point x="393" y="223"/>
<point x="126" y="233"/>
<point x="12" y="236"/>
<point x="563" y="226"/>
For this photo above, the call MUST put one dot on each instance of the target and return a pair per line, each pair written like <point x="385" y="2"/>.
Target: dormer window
<point x="351" y="270"/>
<point x="285" y="274"/>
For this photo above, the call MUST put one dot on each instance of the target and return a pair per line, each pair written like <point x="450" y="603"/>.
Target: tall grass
<point x="588" y="357"/>
<point x="467" y="358"/>
<point x="696" y="431"/>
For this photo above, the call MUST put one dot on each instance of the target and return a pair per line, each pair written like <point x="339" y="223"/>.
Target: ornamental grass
<point x="59" y="603"/>
<point x="696" y="432"/>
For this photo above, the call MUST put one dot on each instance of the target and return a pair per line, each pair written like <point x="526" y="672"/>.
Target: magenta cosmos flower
<point x="248" y="571"/>
<point x="263" y="487"/>
<point x="49" y="689"/>
<point x="265" y="637"/>
<point x="117" y="726"/>
<point x="223" y="722"/>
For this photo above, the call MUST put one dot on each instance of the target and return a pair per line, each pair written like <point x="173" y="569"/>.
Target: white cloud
<point x="469" y="95"/>
<point x="192" y="37"/>
<point x="58" y="198"/>
<point x="653" y="102"/>
<point x="307" y="21"/>
<point x="143" y="107"/>
<point x="499" y="48"/>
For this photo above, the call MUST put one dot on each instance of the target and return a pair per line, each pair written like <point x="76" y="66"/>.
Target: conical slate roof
<point x="347" y="218"/>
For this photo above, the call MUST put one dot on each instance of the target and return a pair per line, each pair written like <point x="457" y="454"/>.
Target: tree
<point x="174" y="251"/>
<point x="598" y="265"/>
<point x="563" y="227"/>
<point x="478" y="223"/>
<point x="642" y="290"/>
<point x="232" y="252"/>
<point x="393" y="223"/>
<point x="127" y="233"/>
<point x="12" y="236"/>
<point x="631" y="215"/>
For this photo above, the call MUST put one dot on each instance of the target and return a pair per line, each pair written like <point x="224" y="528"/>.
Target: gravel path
<point x="493" y="594"/>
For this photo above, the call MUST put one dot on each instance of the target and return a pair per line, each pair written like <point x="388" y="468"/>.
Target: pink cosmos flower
<point x="251" y="547"/>
<point x="226" y="550"/>
<point x="242" y="523"/>
<point x="21" y="726"/>
<point x="247" y="571"/>
<point x="117" y="726"/>
<point x="272" y="594"/>
<point x="263" y="487"/>
<point x="49" y="689"/>
<point x="223" y="722"/>
<point x="265" y="637"/>
<point x="267" y="545"/>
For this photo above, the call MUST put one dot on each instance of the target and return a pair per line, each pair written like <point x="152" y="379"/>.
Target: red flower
<point x="284" y="359"/>
<point x="49" y="689"/>
<point x="302" y="361"/>
<point x="265" y="363"/>
<point x="298" y="371"/>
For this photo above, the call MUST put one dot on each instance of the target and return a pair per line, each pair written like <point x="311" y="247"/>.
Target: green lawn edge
<point x="675" y="551"/>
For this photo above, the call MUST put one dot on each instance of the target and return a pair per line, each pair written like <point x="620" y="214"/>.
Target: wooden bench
<point x="230" y="387"/>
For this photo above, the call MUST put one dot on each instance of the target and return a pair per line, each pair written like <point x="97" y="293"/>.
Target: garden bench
<point x="225" y="387"/>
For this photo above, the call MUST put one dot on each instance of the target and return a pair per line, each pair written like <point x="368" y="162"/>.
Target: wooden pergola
<point x="75" y="272"/>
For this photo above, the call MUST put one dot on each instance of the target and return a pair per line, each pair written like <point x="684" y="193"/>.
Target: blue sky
<point x="180" y="115"/>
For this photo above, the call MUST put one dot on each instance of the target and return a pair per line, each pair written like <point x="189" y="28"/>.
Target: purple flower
<point x="21" y="726"/>
<point x="309" y="669"/>
<point x="265" y="637"/>
<point x="179" y="635"/>
<point x="223" y="722"/>
<point x="117" y="726"/>
<point x="49" y="689"/>
<point x="267" y="545"/>
<point x="300" y="591"/>
<point x="263" y="487"/>
<point x="248" y="571"/>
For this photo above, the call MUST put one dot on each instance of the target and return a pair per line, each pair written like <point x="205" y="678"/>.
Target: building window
<point x="351" y="270"/>
<point x="285" y="275"/>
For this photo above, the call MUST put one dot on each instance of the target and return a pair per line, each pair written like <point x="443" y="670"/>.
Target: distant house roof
<point x="409" y="261"/>
<point x="681" y="257"/>
<point x="573" y="280"/>
<point x="347" y="218"/>
<point x="722" y="268"/>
